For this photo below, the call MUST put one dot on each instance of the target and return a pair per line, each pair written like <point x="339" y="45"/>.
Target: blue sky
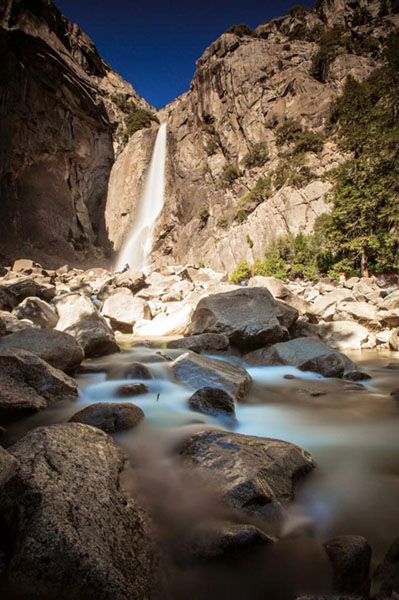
<point x="155" y="44"/>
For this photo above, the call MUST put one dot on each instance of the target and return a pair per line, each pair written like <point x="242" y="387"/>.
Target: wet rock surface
<point x="257" y="475"/>
<point x="349" y="557"/>
<point x="212" y="401"/>
<point x="110" y="416"/>
<point x="75" y="533"/>
<point x="205" y="342"/>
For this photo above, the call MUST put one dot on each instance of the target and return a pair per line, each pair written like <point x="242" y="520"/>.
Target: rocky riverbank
<point x="77" y="516"/>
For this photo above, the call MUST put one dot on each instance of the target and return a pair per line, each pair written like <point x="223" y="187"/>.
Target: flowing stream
<point x="137" y="247"/>
<point x="350" y="429"/>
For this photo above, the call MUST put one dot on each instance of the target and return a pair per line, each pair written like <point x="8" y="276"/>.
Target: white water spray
<point x="137" y="247"/>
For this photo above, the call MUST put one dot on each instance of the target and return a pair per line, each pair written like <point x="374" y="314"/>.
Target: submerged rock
<point x="29" y="383"/>
<point x="212" y="401"/>
<point x="249" y="317"/>
<point x="254" y="474"/>
<point x="198" y="371"/>
<point x="57" y="348"/>
<point x="349" y="556"/>
<point x="80" y="318"/>
<point x="130" y="389"/>
<point x="305" y="354"/>
<point x="75" y="533"/>
<point x="110" y="416"/>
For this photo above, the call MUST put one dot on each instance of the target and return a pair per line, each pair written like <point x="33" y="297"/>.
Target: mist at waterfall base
<point x="351" y="432"/>
<point x="137" y="247"/>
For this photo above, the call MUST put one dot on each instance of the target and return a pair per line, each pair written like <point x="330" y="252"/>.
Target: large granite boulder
<point x="133" y="280"/>
<point x="22" y="287"/>
<point x="38" y="311"/>
<point x="324" y="307"/>
<point x="254" y="474"/>
<point x="74" y="531"/>
<point x="110" y="416"/>
<point x="57" y="348"/>
<point x="305" y="354"/>
<point x="124" y="310"/>
<point x="198" y="371"/>
<point x="344" y="335"/>
<point x="13" y="324"/>
<point x="249" y="317"/>
<point x="80" y="318"/>
<point x="350" y="557"/>
<point x="29" y="383"/>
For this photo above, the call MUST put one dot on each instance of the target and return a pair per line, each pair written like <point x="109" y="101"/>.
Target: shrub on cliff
<point x="241" y="30"/>
<point x="257" y="156"/>
<point x="242" y="272"/>
<point x="308" y="141"/>
<point x="229" y="174"/>
<point x="261" y="192"/>
<point x="136" y="120"/>
<point x="332" y="42"/>
<point x="288" y="132"/>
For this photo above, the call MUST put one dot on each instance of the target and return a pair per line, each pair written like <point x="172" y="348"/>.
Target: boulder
<point x="96" y="278"/>
<point x="391" y="301"/>
<point x="389" y="318"/>
<point x="344" y="335"/>
<point x="349" y="556"/>
<point x="3" y="327"/>
<point x="359" y="311"/>
<point x="8" y="467"/>
<point x="204" y="342"/>
<point x="305" y="354"/>
<point x="133" y="370"/>
<point x="254" y="474"/>
<point x="212" y="401"/>
<point x="249" y="317"/>
<point x="280" y="292"/>
<point x="80" y="318"/>
<point x="387" y="573"/>
<point x="74" y="532"/>
<point x="38" y="311"/>
<point x="25" y="265"/>
<point x="395" y="393"/>
<point x="394" y="340"/>
<point x="127" y="390"/>
<point x="57" y="348"/>
<point x="324" y="306"/>
<point x="29" y="383"/>
<point x="12" y="324"/>
<point x="7" y="299"/>
<point x="165" y="325"/>
<point x="197" y="371"/>
<point x="22" y="287"/>
<point x="302" y="328"/>
<point x="133" y="280"/>
<point x="124" y="310"/>
<point x="110" y="416"/>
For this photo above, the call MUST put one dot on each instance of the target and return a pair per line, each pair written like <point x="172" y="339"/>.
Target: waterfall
<point x="137" y="247"/>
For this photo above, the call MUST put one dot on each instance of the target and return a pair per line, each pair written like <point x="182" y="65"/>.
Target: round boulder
<point x="212" y="401"/>
<point x="110" y="416"/>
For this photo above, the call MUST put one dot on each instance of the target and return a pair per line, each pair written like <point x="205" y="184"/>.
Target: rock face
<point x="250" y="318"/>
<point x="244" y="88"/>
<point x="57" y="348"/>
<point x="80" y="318"/>
<point x="28" y="383"/>
<point x="59" y="122"/>
<point x="257" y="475"/>
<point x="74" y="532"/>
<point x="198" y="371"/>
<point x="304" y="353"/>
<point x="110" y="416"/>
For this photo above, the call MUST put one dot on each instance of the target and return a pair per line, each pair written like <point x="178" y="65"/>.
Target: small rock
<point x="212" y="401"/>
<point x="110" y="416"/>
<point x="134" y="370"/>
<point x="350" y="557"/>
<point x="357" y="376"/>
<point x="130" y="389"/>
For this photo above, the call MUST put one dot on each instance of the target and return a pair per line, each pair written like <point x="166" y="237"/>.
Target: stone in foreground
<point x="198" y="371"/>
<point x="254" y="474"/>
<point x="8" y="466"/>
<point x="110" y="416"/>
<point x="387" y="573"/>
<point x="29" y="383"/>
<point x="75" y="533"/>
<point x="249" y="317"/>
<point x="80" y="318"/>
<point x="349" y="556"/>
<point x="305" y="354"/>
<point x="212" y="401"/>
<point x="57" y="348"/>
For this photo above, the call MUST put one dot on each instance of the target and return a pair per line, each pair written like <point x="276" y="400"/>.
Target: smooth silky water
<point x="350" y="429"/>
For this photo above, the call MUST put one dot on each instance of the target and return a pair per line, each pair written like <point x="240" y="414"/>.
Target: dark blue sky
<point x="154" y="44"/>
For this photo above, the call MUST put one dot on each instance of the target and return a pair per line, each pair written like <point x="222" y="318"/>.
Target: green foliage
<point x="222" y="221"/>
<point x="229" y="174"/>
<point x="126" y="106"/>
<point x="136" y="120"/>
<point x="203" y="216"/>
<point x="363" y="227"/>
<point x="293" y="171"/>
<point x="257" y="155"/>
<point x="288" y="132"/>
<point x="332" y="42"/>
<point x="261" y="192"/>
<point x="242" y="272"/>
<point x="241" y="30"/>
<point x="271" y="266"/>
<point x="212" y="146"/>
<point x="308" y="141"/>
<point x="361" y="16"/>
<point x="201" y="264"/>
<point x="250" y="241"/>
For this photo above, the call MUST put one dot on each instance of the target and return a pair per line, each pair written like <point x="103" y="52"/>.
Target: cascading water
<point x="137" y="247"/>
